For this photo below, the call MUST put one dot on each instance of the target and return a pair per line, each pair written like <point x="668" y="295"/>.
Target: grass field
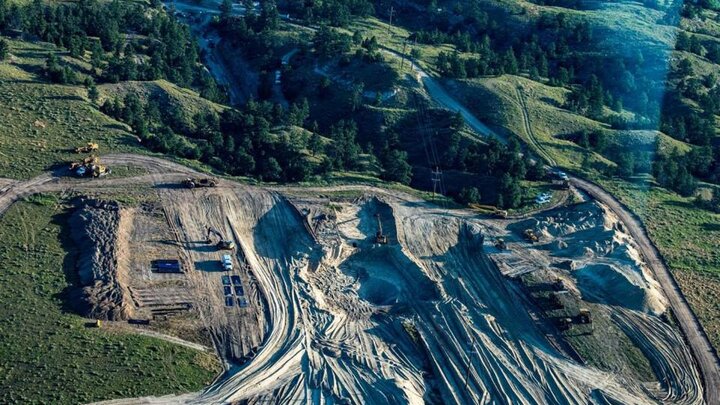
<point x="688" y="238"/>
<point x="47" y="355"/>
<point x="169" y="96"/>
<point x="42" y="122"/>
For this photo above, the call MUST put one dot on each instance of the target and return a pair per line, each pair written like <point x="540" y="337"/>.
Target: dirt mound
<point x="95" y="228"/>
<point x="609" y="269"/>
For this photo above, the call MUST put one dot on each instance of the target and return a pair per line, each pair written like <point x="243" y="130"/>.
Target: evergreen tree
<point x="226" y="11"/>
<point x="4" y="49"/>
<point x="469" y="195"/>
<point x="395" y="165"/>
<point x="93" y="93"/>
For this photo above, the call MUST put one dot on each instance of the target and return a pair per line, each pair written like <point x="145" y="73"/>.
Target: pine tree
<point x="4" y="49"/>
<point x="93" y="93"/>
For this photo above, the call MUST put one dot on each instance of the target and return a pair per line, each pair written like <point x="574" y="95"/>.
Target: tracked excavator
<point x="379" y="236"/>
<point x="222" y="244"/>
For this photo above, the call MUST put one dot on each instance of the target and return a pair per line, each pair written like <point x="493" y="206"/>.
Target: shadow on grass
<point x="711" y="227"/>
<point x="64" y="98"/>
<point x="71" y="297"/>
<point x="550" y="101"/>
<point x="680" y="204"/>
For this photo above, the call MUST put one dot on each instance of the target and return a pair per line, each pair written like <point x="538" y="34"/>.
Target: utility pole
<point x="402" y="56"/>
<point x="436" y="178"/>
<point x="392" y="12"/>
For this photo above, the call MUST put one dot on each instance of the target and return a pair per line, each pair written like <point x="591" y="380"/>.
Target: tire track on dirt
<point x="539" y="148"/>
<point x="702" y="351"/>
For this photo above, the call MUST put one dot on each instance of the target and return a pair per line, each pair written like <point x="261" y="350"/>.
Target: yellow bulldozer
<point x="89" y="167"/>
<point x="530" y="236"/>
<point x="90" y="147"/>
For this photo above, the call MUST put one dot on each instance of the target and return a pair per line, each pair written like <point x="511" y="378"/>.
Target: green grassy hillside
<point x="43" y="122"/>
<point x="49" y="355"/>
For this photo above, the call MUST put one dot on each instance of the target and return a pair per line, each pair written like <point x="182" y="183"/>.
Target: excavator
<point x="379" y="237"/>
<point x="222" y="244"/>
<point x="88" y="148"/>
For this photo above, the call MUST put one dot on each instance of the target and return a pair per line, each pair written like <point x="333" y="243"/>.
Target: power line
<point x="392" y="12"/>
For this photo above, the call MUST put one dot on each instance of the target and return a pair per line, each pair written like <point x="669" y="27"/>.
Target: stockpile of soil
<point x="605" y="263"/>
<point x="95" y="229"/>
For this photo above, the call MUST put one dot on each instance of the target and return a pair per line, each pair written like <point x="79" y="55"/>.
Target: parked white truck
<point x="227" y="262"/>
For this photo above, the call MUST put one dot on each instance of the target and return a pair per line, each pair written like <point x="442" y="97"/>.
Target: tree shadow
<point x="64" y="98"/>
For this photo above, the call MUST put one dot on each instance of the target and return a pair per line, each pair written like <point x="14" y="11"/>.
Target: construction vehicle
<point x="222" y="244"/>
<point x="584" y="316"/>
<point x="555" y="302"/>
<point x="88" y="148"/>
<point x="89" y="167"/>
<point x="530" y="236"/>
<point x="379" y="236"/>
<point x="489" y="209"/>
<point x="561" y="184"/>
<point x="500" y="244"/>
<point x="199" y="182"/>
<point x="227" y="263"/>
<point x="502" y="214"/>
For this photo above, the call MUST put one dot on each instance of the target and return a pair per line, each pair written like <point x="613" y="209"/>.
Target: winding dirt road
<point x="698" y="341"/>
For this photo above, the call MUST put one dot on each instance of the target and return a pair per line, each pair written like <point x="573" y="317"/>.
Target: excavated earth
<point x="428" y="318"/>
<point x="95" y="229"/>
<point x="436" y="315"/>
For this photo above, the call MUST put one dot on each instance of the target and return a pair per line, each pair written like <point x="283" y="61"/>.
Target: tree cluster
<point x="125" y="41"/>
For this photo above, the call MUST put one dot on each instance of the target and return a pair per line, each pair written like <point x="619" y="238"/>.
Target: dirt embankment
<point x="96" y="229"/>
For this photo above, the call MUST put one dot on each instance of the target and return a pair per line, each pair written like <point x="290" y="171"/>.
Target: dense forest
<point x="325" y="127"/>
<point x="606" y="82"/>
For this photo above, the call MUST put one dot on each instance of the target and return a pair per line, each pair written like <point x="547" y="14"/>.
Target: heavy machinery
<point x="502" y="214"/>
<point x="89" y="167"/>
<point x="199" y="182"/>
<point x="530" y="236"/>
<point x="88" y="148"/>
<point x="564" y="323"/>
<point x="584" y="316"/>
<point x="555" y="301"/>
<point x="489" y="209"/>
<point x="222" y="244"/>
<point x="379" y="236"/>
<point x="561" y="184"/>
<point x="500" y="244"/>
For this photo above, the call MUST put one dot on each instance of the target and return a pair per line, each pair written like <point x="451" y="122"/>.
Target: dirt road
<point x="698" y="341"/>
<point x="327" y="295"/>
<point x="702" y="350"/>
<point x="440" y="96"/>
<point x="539" y="148"/>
